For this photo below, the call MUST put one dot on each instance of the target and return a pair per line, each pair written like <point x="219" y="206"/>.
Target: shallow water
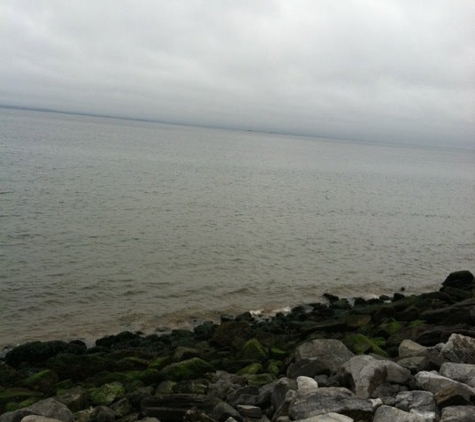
<point x="111" y="224"/>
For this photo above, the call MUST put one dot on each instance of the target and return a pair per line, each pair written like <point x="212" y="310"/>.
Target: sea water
<point x="111" y="225"/>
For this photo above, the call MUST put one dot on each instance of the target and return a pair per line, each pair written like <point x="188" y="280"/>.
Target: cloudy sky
<point x="369" y="69"/>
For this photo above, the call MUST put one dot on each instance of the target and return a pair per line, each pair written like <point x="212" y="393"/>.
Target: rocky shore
<point x="400" y="358"/>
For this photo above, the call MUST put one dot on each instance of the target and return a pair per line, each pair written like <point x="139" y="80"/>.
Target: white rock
<point x="409" y="348"/>
<point x="328" y="417"/>
<point x="462" y="372"/>
<point x="459" y="349"/>
<point x="306" y="384"/>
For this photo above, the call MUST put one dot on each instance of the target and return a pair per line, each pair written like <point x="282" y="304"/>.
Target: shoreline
<point x="261" y="354"/>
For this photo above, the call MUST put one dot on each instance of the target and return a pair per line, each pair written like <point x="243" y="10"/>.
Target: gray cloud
<point x="394" y="70"/>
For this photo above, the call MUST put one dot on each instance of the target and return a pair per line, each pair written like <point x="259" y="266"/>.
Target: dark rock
<point x="76" y="367"/>
<point x="185" y="370"/>
<point x="102" y="414"/>
<point x="122" y="340"/>
<point x="331" y="298"/>
<point x="172" y="407"/>
<point x="232" y="334"/>
<point x="38" y="352"/>
<point x="222" y="411"/>
<point x="460" y="280"/>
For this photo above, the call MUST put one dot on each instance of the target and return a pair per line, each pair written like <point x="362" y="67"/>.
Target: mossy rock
<point x="360" y="344"/>
<point x="79" y="367"/>
<point x="182" y="353"/>
<point x="389" y="327"/>
<point x="159" y="363"/>
<point x="8" y="375"/>
<point x="253" y="350"/>
<point x="44" y="381"/>
<point x="355" y="320"/>
<point x="199" y="386"/>
<point x="258" y="380"/>
<point x="106" y="394"/>
<point x="75" y="398"/>
<point x="278" y="354"/>
<point x="11" y="407"/>
<point x="416" y="323"/>
<point x="17" y="395"/>
<point x="165" y="387"/>
<point x="253" y="368"/>
<point x="131" y="363"/>
<point x="274" y="367"/>
<point x="188" y="369"/>
<point x="232" y="334"/>
<point x="149" y="376"/>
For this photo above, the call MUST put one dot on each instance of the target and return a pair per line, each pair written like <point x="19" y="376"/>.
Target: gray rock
<point x="327" y="400"/>
<point x="436" y="383"/>
<point x="409" y="348"/>
<point x="121" y="408"/>
<point x="387" y="413"/>
<point x="75" y="399"/>
<point x="364" y="374"/>
<point x="224" y="410"/>
<point x="49" y="408"/>
<point x="459" y="349"/>
<point x="414" y="363"/>
<point x="328" y="417"/>
<point x="37" y="418"/>
<point x="102" y="414"/>
<point x="319" y="357"/>
<point x="458" y="414"/>
<point x="462" y="372"/>
<point x="417" y="400"/>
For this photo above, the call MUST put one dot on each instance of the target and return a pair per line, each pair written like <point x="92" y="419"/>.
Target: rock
<point x="253" y="368"/>
<point x="415" y="402"/>
<point x="414" y="364"/>
<point x="121" y="408"/>
<point x="253" y="350"/>
<point x="188" y="369"/>
<point x="454" y="395"/>
<point x="387" y="413"/>
<point x="328" y="417"/>
<point x="36" y="418"/>
<point x="172" y="407"/>
<point x="459" y="349"/>
<point x="223" y="411"/>
<point x="462" y="372"/>
<point x="331" y="399"/>
<point x="306" y="385"/>
<point x="319" y="357"/>
<point x="409" y="348"/>
<point x="364" y="374"/>
<point x="232" y="334"/>
<point x="102" y="414"/>
<point x="42" y="381"/>
<point x="458" y="414"/>
<point x="75" y="399"/>
<point x="106" y="394"/>
<point x="37" y="352"/>
<point x="250" y="411"/>
<point x="359" y="343"/>
<point x="49" y="408"/>
<point x="459" y="280"/>
<point x="447" y="391"/>
<point x="77" y="367"/>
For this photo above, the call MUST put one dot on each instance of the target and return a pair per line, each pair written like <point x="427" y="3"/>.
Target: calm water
<point x="111" y="224"/>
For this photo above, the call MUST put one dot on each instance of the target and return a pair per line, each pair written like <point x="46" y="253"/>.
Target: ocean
<point x="110" y="225"/>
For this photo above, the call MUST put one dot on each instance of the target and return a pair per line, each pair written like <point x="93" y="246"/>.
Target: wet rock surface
<point x="406" y="358"/>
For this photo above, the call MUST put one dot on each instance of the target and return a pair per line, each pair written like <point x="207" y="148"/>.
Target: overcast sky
<point x="368" y="69"/>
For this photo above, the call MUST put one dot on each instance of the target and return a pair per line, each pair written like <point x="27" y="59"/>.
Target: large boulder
<point x="462" y="372"/>
<point x="459" y="349"/>
<point x="458" y="414"/>
<point x="37" y="352"/>
<point x="363" y="373"/>
<point x="319" y="357"/>
<point x="459" y="280"/>
<point x="49" y="408"/>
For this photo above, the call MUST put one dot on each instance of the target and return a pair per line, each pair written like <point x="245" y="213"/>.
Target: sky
<point x="367" y="70"/>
